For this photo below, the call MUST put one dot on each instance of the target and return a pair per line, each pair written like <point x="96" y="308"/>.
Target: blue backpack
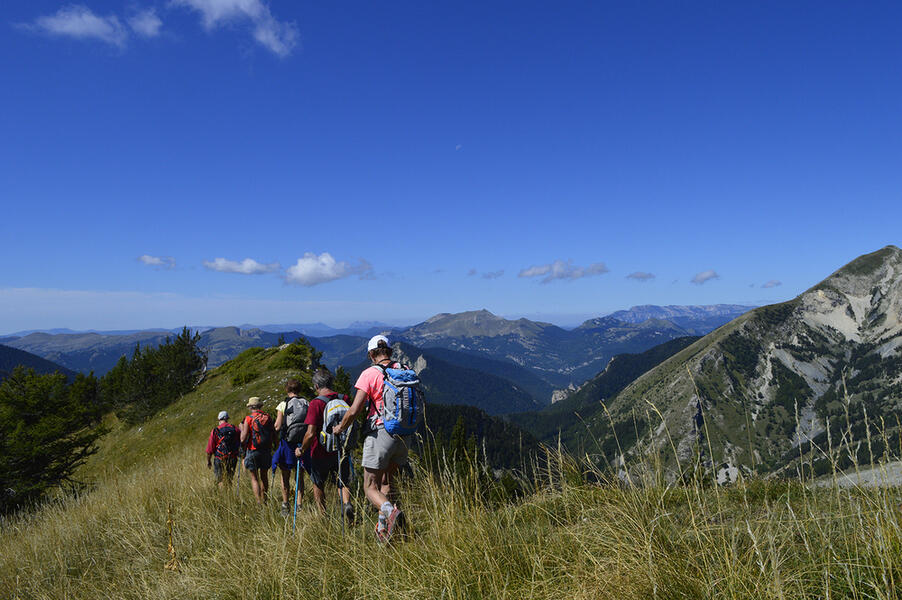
<point x="402" y="400"/>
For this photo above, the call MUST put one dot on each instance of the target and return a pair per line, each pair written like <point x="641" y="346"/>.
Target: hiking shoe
<point x="394" y="523"/>
<point x="381" y="536"/>
<point x="348" y="512"/>
<point x="286" y="509"/>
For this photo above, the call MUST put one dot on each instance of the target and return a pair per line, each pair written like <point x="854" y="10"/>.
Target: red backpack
<point x="261" y="431"/>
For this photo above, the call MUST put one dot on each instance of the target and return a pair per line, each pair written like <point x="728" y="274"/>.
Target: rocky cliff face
<point x="765" y="388"/>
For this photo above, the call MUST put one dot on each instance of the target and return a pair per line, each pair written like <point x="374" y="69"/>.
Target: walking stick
<point x="297" y="482"/>
<point x="338" y="488"/>
<point x="238" y="479"/>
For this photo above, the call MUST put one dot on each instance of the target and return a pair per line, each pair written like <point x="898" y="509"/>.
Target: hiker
<point x="290" y="416"/>
<point x="323" y="462"/>
<point x="224" y="442"/>
<point x="383" y="453"/>
<point x="256" y="435"/>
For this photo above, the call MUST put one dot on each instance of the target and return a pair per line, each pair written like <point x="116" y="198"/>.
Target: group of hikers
<point x="316" y="437"/>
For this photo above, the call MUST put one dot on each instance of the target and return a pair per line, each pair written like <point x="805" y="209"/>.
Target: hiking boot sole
<point x="394" y="523"/>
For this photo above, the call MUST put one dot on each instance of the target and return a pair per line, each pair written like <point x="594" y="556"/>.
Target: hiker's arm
<point x="244" y="429"/>
<point x="309" y="436"/>
<point x="210" y="448"/>
<point x="280" y="418"/>
<point x="356" y="409"/>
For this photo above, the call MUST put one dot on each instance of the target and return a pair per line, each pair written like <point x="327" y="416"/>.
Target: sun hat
<point x="223" y="416"/>
<point x="254" y="401"/>
<point x="374" y="342"/>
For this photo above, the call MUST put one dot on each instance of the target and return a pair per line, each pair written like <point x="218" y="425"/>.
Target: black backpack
<point x="229" y="440"/>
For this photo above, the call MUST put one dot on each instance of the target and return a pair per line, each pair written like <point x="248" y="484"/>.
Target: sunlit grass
<point x="565" y="538"/>
<point x="754" y="540"/>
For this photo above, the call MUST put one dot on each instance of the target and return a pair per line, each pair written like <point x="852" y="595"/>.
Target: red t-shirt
<point x="314" y="423"/>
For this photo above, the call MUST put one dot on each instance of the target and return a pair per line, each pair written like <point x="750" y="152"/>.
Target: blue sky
<point x="289" y="161"/>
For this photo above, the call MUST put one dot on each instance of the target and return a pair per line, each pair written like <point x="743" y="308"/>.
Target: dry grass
<point x="566" y="540"/>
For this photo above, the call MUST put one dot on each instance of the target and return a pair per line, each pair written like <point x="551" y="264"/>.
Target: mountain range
<point x="558" y="356"/>
<point x="529" y="357"/>
<point x="697" y="320"/>
<point x="99" y="352"/>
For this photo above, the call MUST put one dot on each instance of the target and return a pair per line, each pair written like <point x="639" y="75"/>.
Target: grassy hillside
<point x="564" y="540"/>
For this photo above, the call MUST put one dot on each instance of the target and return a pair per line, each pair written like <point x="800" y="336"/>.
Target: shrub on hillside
<point x="154" y="377"/>
<point x="47" y="429"/>
<point x="298" y="355"/>
<point x="242" y="377"/>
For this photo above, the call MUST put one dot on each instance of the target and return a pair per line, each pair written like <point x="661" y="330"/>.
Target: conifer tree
<point x="47" y="429"/>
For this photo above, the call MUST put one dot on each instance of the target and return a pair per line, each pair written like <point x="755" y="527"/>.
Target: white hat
<point x="374" y="342"/>
<point x="223" y="416"/>
<point x="253" y="401"/>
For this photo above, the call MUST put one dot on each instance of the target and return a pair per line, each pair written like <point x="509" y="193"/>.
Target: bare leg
<point x="258" y="486"/>
<point x="319" y="496"/>
<point x="264" y="479"/>
<point x="286" y="482"/>
<point x="387" y="490"/>
<point x="372" y="486"/>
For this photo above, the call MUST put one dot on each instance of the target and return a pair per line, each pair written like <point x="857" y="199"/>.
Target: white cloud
<point x="279" y="37"/>
<point x="79" y="22"/>
<point x="563" y="270"/>
<point x="471" y="272"/>
<point x="164" y="262"/>
<point x="772" y="284"/>
<point x="704" y="276"/>
<point x="493" y="274"/>
<point x="248" y="266"/>
<point x="641" y="276"/>
<point x="312" y="270"/>
<point x="146" y="23"/>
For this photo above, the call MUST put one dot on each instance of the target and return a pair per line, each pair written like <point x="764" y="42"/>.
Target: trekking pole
<point x="297" y="482"/>
<point x="338" y="487"/>
<point x="238" y="478"/>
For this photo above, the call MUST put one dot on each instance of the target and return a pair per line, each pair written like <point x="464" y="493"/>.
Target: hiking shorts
<point x="381" y="449"/>
<point x="225" y="466"/>
<point x="325" y="468"/>
<point x="257" y="459"/>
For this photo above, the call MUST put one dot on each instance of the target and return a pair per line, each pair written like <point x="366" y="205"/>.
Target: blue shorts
<point x="284" y="457"/>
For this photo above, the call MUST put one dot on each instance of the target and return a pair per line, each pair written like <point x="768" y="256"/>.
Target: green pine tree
<point x="47" y="429"/>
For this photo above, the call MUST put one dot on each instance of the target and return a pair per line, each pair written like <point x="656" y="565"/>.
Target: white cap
<point x="223" y="416"/>
<point x="374" y="342"/>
